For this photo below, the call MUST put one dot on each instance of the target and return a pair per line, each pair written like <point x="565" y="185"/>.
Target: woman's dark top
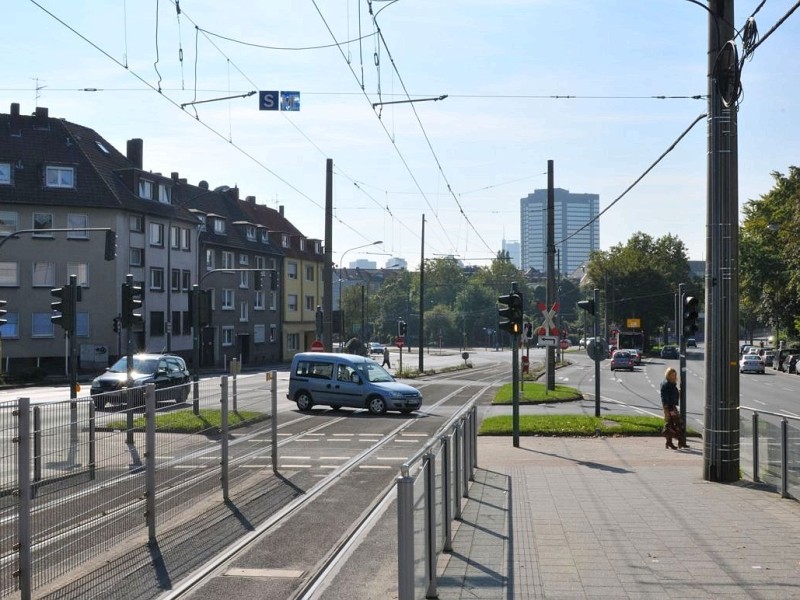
<point x="669" y="393"/>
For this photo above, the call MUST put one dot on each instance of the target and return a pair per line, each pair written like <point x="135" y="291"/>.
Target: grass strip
<point x="576" y="425"/>
<point x="537" y="393"/>
<point x="185" y="421"/>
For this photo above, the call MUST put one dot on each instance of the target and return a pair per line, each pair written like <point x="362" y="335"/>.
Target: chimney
<point x="203" y="185"/>
<point x="234" y="192"/>
<point x="280" y="209"/>
<point x="40" y="117"/>
<point x="15" y="109"/>
<point x="251" y="199"/>
<point x="136" y="152"/>
<point x="175" y="176"/>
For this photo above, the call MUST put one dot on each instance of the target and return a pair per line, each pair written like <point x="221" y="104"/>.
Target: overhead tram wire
<point x="197" y="119"/>
<point x="637" y="180"/>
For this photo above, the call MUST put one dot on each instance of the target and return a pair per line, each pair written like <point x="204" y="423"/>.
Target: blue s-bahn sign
<point x="275" y="100"/>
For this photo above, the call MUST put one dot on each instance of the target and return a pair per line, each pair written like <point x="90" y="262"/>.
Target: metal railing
<point x="430" y="489"/>
<point x="73" y="483"/>
<point x="770" y="450"/>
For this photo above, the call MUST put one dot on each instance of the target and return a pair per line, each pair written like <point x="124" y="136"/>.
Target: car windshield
<point x="376" y="373"/>
<point x="140" y="365"/>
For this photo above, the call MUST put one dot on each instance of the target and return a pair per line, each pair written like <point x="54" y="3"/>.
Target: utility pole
<point x="327" y="291"/>
<point x="681" y="354"/>
<point x="551" y="280"/>
<point x="721" y="436"/>
<point x="421" y="361"/>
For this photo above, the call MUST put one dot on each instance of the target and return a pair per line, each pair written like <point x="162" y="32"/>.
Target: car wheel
<point x="304" y="401"/>
<point x="99" y="403"/>
<point x="376" y="405"/>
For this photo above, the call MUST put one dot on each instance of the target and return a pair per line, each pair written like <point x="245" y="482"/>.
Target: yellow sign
<point x="633" y="323"/>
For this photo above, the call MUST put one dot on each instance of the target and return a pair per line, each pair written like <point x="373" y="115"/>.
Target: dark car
<point x="691" y="343"/>
<point x="670" y="352"/>
<point x="167" y="372"/>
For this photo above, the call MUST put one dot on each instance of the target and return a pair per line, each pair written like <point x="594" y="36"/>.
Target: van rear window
<point x="314" y="368"/>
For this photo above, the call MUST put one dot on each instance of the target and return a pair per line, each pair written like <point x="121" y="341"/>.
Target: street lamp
<point x="341" y="266"/>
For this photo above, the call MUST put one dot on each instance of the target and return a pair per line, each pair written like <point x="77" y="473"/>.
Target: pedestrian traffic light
<point x="3" y="312"/>
<point x="512" y="313"/>
<point x="587" y="305"/>
<point x="111" y="245"/>
<point x="402" y="328"/>
<point x="689" y="315"/>
<point x="528" y="331"/>
<point x="131" y="302"/>
<point x="64" y="307"/>
<point x="116" y="324"/>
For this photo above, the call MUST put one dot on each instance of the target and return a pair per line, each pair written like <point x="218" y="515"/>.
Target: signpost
<point x="548" y="340"/>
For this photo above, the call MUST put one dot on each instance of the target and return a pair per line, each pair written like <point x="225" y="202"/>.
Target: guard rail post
<point x="150" y="459"/>
<point x="224" y="433"/>
<point x="457" y="438"/>
<point x="447" y="506"/>
<point x="405" y="536"/>
<point x="430" y="524"/>
<point x="474" y="417"/>
<point x="37" y="444"/>
<point x="92" y="441"/>
<point x="273" y="390"/>
<point x="784" y="458"/>
<point x="756" y="477"/>
<point x="467" y="454"/>
<point x="25" y="576"/>
<point x="234" y="395"/>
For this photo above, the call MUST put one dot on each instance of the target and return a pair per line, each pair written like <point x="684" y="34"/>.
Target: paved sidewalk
<point x="616" y="518"/>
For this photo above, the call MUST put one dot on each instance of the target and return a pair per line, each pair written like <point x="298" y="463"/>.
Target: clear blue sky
<point x="499" y="61"/>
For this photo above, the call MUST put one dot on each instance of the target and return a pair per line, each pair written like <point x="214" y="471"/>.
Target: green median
<point x="576" y="425"/>
<point x="537" y="393"/>
<point x="185" y="421"/>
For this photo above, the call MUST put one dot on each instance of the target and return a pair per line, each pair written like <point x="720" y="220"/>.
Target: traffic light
<point x="116" y="324"/>
<point x="131" y="302"/>
<point x="512" y="314"/>
<point x="587" y="305"/>
<point x="273" y="280"/>
<point x="111" y="245"/>
<point x="528" y="331"/>
<point x="689" y="315"/>
<point x="258" y="280"/>
<point x="64" y="306"/>
<point x="402" y="328"/>
<point x="3" y="312"/>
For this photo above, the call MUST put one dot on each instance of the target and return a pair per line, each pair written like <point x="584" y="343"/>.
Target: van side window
<point x="345" y="373"/>
<point x="321" y="370"/>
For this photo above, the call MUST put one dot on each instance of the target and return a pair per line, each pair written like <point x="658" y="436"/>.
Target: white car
<point x="751" y="363"/>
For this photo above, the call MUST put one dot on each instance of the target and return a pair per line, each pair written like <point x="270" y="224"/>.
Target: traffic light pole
<point x="682" y="354"/>
<point x="515" y="387"/>
<point x="73" y="359"/>
<point x="597" y="356"/>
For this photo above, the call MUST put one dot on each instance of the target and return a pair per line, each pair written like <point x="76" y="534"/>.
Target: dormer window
<point x="251" y="233"/>
<point x="219" y="226"/>
<point x="164" y="194"/>
<point x="145" y="189"/>
<point x="264" y="237"/>
<point x="302" y="244"/>
<point x="59" y="177"/>
<point x="285" y="240"/>
<point x="5" y="173"/>
<point x="318" y="247"/>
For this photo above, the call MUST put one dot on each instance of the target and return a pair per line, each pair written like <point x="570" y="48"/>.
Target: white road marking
<point x="335" y="457"/>
<point x="375" y="467"/>
<point x="295" y="466"/>
<point x="297" y="457"/>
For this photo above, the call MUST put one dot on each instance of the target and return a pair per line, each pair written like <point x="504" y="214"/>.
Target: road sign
<point x="400" y="341"/>
<point x="278" y="100"/>
<point x="564" y="343"/>
<point x="548" y="340"/>
<point x="548" y="326"/>
<point x="317" y="346"/>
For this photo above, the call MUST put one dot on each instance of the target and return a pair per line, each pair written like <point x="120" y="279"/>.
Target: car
<point x="670" y="352"/>
<point x="166" y="371"/>
<point x="622" y="359"/>
<point x="691" y="343"/>
<point x="751" y="363"/>
<point x="637" y="356"/>
<point x="375" y="348"/>
<point x="769" y="358"/>
<point x="347" y="380"/>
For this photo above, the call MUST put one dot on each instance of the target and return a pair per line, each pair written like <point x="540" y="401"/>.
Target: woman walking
<point x="670" y="398"/>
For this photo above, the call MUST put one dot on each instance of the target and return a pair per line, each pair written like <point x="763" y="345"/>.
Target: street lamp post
<point x="341" y="266"/>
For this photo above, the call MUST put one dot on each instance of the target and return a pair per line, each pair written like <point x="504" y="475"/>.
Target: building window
<point x="258" y="300"/>
<point x="157" y="234"/>
<point x="273" y="300"/>
<point x="265" y="237"/>
<point x="285" y="240"/>
<point x="186" y="239"/>
<point x="259" y="333"/>
<point x="219" y="226"/>
<point x="250" y="232"/>
<point x="157" y="279"/>
<point x="59" y="177"/>
<point x="136" y="257"/>
<point x="209" y="260"/>
<point x="261" y="262"/>
<point x="174" y="237"/>
<point x="186" y="280"/>
<point x="136" y="223"/>
<point x="227" y="336"/>
<point x="302" y="244"/>
<point x="244" y="259"/>
<point x="41" y="325"/>
<point x="145" y="189"/>
<point x="81" y="272"/>
<point x="82" y="324"/>
<point x="43" y="221"/>
<point x="5" y="173"/>
<point x="310" y="273"/>
<point x="310" y="303"/>
<point x="11" y="327"/>
<point x="243" y="312"/>
<point x="293" y="342"/>
<point x="273" y="333"/>
<point x="243" y="279"/>
<point x="157" y="322"/>
<point x="187" y="323"/>
<point x="227" y="299"/>
<point x="291" y="270"/>
<point x="77" y="223"/>
<point x="9" y="277"/>
<point x="164" y="193"/>
<point x="44" y="274"/>
<point x="8" y="222"/>
<point x="318" y="247"/>
<point x="291" y="302"/>
<point x="175" y="280"/>
<point x="227" y="260"/>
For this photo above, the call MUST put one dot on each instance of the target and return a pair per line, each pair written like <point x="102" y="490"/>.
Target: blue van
<point x="338" y="380"/>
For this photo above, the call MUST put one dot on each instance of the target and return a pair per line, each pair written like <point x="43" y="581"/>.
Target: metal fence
<point x="770" y="449"/>
<point x="76" y="481"/>
<point x="430" y="488"/>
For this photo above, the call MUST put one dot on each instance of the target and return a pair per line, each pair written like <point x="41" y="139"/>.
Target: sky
<point x="464" y="162"/>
